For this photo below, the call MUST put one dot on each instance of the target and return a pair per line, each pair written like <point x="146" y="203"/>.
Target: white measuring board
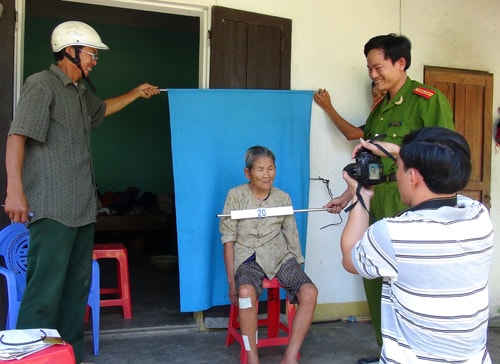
<point x="261" y="212"/>
<point x="266" y="212"/>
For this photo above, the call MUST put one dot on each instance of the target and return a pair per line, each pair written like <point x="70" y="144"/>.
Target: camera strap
<point x="360" y="200"/>
<point x="382" y="149"/>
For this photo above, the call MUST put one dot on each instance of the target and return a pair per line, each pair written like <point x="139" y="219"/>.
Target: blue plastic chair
<point x="12" y="300"/>
<point x="14" y="242"/>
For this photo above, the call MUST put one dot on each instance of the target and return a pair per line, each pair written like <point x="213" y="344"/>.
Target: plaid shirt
<point x="56" y="116"/>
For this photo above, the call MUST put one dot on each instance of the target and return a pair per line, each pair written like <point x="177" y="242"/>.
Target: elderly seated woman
<point x="256" y="248"/>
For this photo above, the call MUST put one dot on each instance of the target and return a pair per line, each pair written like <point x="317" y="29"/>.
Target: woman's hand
<point x="233" y="295"/>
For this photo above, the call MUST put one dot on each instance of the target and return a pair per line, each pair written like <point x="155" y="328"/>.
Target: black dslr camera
<point x="367" y="170"/>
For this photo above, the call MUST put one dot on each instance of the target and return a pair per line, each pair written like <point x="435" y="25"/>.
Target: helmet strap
<point x="77" y="62"/>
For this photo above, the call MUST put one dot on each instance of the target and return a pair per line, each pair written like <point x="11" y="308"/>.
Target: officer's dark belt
<point x="389" y="178"/>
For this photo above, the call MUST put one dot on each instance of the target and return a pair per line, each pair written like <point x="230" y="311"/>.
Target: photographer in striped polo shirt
<point x="434" y="257"/>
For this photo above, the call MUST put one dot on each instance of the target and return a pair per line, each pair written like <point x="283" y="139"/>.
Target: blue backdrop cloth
<point x="211" y="130"/>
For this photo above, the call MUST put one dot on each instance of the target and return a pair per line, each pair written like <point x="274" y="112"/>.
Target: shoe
<point x="368" y="360"/>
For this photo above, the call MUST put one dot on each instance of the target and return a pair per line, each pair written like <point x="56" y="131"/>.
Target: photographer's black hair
<point x="442" y="157"/>
<point x="257" y="152"/>
<point x="394" y="47"/>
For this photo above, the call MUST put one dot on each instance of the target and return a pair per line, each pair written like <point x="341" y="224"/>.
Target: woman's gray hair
<point x="255" y="152"/>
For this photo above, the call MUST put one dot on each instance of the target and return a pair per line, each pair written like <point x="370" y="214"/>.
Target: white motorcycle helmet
<point x="75" y="33"/>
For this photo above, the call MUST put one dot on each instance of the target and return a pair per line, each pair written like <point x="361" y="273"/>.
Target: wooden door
<point x="471" y="96"/>
<point x="249" y="50"/>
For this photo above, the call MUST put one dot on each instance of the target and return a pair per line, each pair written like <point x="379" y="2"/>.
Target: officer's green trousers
<point x="373" y="291"/>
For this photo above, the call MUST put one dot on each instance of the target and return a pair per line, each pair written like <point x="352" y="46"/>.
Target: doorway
<point x="131" y="148"/>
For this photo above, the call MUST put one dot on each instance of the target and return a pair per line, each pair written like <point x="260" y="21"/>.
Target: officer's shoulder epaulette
<point x="378" y="101"/>
<point x="426" y="93"/>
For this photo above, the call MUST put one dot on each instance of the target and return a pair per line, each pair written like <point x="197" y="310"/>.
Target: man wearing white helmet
<point x="49" y="172"/>
<point x="78" y="35"/>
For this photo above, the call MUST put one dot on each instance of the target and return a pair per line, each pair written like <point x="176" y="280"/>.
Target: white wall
<point x="462" y="34"/>
<point x="327" y="52"/>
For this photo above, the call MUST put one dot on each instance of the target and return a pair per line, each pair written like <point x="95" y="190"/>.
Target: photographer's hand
<point x="357" y="221"/>
<point x="392" y="148"/>
<point x="366" y="192"/>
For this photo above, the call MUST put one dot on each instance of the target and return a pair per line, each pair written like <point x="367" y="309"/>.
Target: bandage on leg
<point x="246" y="343"/>
<point x="244" y="302"/>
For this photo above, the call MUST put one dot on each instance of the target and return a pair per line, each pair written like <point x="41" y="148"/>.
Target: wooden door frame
<point x="200" y="11"/>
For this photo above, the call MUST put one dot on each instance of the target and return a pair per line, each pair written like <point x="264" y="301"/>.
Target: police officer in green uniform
<point x="407" y="105"/>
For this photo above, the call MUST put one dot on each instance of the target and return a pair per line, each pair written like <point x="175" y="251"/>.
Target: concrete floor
<point x="159" y="333"/>
<point x="326" y="343"/>
<point x="337" y="342"/>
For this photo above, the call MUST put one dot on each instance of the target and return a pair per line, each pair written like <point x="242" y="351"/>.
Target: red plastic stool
<point x="272" y="321"/>
<point x="119" y="252"/>
<point x="55" y="354"/>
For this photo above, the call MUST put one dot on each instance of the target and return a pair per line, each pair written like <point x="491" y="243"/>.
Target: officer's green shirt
<point x="56" y="116"/>
<point x="414" y="106"/>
